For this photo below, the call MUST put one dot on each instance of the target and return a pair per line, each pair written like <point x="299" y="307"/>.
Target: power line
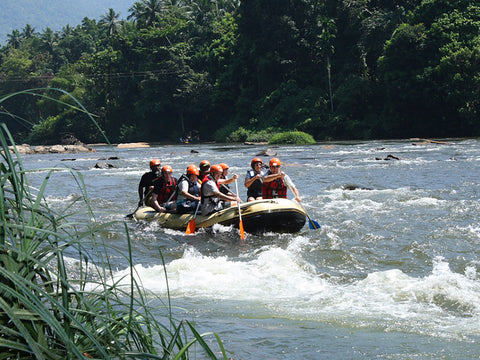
<point x="116" y="75"/>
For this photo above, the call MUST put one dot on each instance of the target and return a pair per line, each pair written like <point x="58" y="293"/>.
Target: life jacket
<point x="224" y="188"/>
<point x="165" y="189"/>
<point x="206" y="177"/>
<point x="193" y="188"/>
<point x="274" y="189"/>
<point x="255" y="189"/>
<point x="204" y="181"/>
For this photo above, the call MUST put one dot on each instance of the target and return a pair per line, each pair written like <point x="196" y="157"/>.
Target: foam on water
<point x="442" y="303"/>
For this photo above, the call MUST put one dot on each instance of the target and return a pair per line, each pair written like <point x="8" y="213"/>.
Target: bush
<point x="45" y="132"/>
<point x="220" y="135"/>
<point x="292" y="137"/>
<point x="261" y="136"/>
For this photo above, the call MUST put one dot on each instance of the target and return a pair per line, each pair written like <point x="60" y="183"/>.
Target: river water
<point x="391" y="274"/>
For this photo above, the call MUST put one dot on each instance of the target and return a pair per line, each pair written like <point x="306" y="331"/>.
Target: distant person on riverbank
<point x="254" y="180"/>
<point x="276" y="182"/>
<point x="224" y="180"/>
<point x="188" y="191"/>
<point x="145" y="186"/>
<point x="212" y="199"/>
<point x="164" y="188"/>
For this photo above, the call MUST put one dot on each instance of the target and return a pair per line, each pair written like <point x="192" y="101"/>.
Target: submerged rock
<point x="267" y="152"/>
<point x="104" y="165"/>
<point x="389" y="157"/>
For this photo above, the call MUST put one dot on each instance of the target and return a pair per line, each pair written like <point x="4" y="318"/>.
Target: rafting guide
<point x="145" y="187"/>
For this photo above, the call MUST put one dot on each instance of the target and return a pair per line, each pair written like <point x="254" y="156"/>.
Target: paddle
<point x="240" y="224"/>
<point x="191" y="224"/>
<point x="311" y="223"/>
<point x="140" y="204"/>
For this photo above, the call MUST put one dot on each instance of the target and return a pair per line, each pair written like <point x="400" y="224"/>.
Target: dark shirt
<point x="147" y="180"/>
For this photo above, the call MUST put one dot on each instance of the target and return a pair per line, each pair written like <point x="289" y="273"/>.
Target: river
<point x="391" y="274"/>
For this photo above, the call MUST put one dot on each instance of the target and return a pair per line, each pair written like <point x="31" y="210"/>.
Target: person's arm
<point x="222" y="196"/>
<point x="183" y="186"/>
<point x="271" y="177"/>
<point x="156" y="205"/>
<point x="140" y="194"/>
<point x="228" y="181"/>
<point x="292" y="187"/>
<point x="249" y="182"/>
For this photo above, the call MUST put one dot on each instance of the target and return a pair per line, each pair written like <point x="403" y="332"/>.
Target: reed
<point x="51" y="310"/>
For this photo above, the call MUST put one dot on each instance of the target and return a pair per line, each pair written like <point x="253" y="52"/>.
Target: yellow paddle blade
<point x="190" y="227"/>
<point x="242" y="232"/>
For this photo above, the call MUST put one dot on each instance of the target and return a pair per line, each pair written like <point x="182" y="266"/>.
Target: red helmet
<point x="215" y="168"/>
<point x="204" y="165"/>
<point x="275" y="162"/>
<point x="256" y="160"/>
<point x="224" y="166"/>
<point x="193" y="170"/>
<point x="167" y="168"/>
<point x="155" y="162"/>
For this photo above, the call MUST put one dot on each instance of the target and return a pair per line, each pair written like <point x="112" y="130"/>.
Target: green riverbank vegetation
<point x="58" y="296"/>
<point x="360" y="69"/>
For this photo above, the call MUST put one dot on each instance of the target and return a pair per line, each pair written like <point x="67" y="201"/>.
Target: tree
<point x="145" y="12"/>
<point x="14" y="39"/>
<point x="431" y="72"/>
<point x="110" y="21"/>
<point x="28" y="32"/>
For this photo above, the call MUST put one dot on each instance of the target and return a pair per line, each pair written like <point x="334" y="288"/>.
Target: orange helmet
<point x="275" y="162"/>
<point x="256" y="160"/>
<point x="216" y="168"/>
<point x="155" y="162"/>
<point x="204" y="165"/>
<point x="193" y="170"/>
<point x="167" y="168"/>
<point x="224" y="166"/>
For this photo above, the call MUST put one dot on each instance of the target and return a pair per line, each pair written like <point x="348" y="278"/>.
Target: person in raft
<point x="188" y="191"/>
<point x="164" y="189"/>
<point x="276" y="182"/>
<point x="145" y="186"/>
<point x="254" y="180"/>
<point x="212" y="199"/>
<point x="224" y="180"/>
<point x="204" y="168"/>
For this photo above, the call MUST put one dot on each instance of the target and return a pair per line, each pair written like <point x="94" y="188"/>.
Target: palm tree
<point x="14" y="39"/>
<point x="49" y="40"/>
<point x="135" y="12"/>
<point x="67" y="31"/>
<point x="28" y="32"/>
<point x="111" y="22"/>
<point x="145" y="12"/>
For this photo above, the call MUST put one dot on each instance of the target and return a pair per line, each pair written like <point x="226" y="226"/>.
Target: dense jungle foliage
<point x="352" y="69"/>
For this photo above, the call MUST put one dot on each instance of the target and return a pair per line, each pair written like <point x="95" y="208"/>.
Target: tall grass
<point x="51" y="310"/>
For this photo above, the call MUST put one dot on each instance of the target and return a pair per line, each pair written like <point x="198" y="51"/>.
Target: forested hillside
<point x="243" y="70"/>
<point x="55" y="14"/>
